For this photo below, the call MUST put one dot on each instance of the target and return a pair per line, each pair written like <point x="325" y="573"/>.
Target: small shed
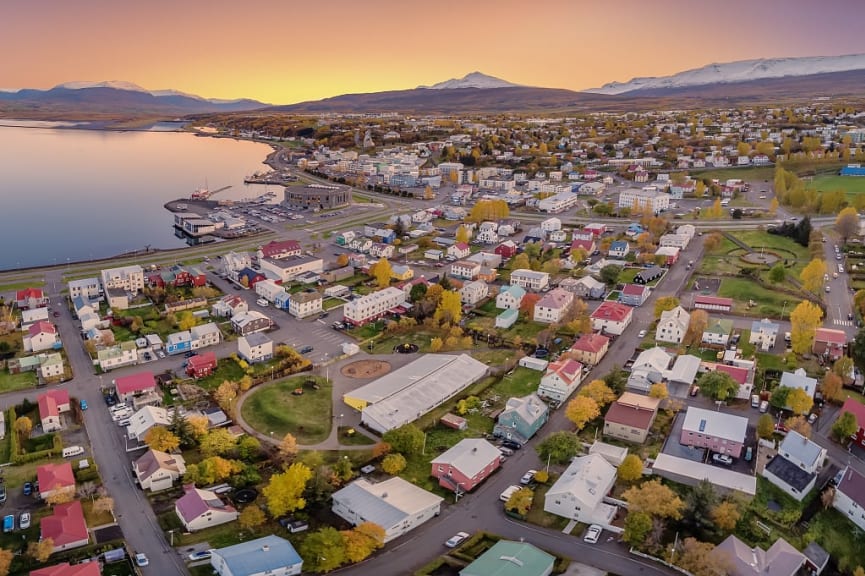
<point x="533" y="363"/>
<point x="454" y="421"/>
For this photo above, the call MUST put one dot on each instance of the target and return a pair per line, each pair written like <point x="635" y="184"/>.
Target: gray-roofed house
<point x="799" y="379"/>
<point x="816" y="558"/>
<point x="466" y="465"/>
<point x="521" y="418"/>
<point x="579" y="492"/>
<point x="763" y="334"/>
<point x="255" y="347"/>
<point x="396" y="505"/>
<point x="739" y="559"/>
<point x="649" y="368"/>
<point x="270" y="555"/>
<point x="157" y="470"/>
<point x="684" y="370"/>
<point x="586" y="287"/>
<point x="850" y="496"/>
<point x="673" y="325"/>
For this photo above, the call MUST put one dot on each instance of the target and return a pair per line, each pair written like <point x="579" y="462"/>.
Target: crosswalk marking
<point x="842" y="322"/>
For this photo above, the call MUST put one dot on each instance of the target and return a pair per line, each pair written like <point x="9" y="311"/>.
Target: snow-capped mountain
<point x="472" y="80"/>
<point x="741" y="71"/>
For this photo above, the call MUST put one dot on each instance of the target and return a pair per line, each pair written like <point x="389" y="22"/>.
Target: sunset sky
<point x="285" y="51"/>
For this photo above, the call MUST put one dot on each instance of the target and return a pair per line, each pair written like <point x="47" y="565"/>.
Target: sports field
<point x="849" y="184"/>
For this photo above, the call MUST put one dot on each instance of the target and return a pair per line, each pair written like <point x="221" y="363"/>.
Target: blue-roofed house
<point x="270" y="555"/>
<point x="396" y="505"/>
<point x="521" y="418"/>
<point x="763" y="334"/>
<point x="633" y="230"/>
<point x="619" y="249"/>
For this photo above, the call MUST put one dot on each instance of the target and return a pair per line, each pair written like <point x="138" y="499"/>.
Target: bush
<point x="89" y="474"/>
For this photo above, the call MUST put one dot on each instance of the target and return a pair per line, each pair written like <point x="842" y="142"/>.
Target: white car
<point x="509" y="491"/>
<point x="141" y="559"/>
<point x="262" y="302"/>
<point x="592" y="534"/>
<point x="528" y="477"/>
<point x="24" y="521"/>
<point x="642" y="334"/>
<point x="457" y="539"/>
<point x="724" y="459"/>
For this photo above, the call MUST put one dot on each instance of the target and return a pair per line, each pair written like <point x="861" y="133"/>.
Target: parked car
<point x="457" y="539"/>
<point x="512" y="444"/>
<point x="83" y="404"/>
<point x="203" y="555"/>
<point x="724" y="459"/>
<point x="642" y="334"/>
<point x="593" y="533"/>
<point x="749" y="453"/>
<point x="528" y="477"/>
<point x="28" y="488"/>
<point x="506" y="451"/>
<point x="694" y="391"/>
<point x="24" y="521"/>
<point x="509" y="491"/>
<point x="306" y="349"/>
<point x="262" y="302"/>
<point x="2" y="493"/>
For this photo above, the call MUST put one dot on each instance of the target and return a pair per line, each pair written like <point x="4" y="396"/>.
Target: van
<point x="764" y="406"/>
<point x="70" y="451"/>
<point x="755" y="401"/>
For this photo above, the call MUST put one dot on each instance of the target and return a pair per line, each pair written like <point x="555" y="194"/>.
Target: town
<point x="462" y="346"/>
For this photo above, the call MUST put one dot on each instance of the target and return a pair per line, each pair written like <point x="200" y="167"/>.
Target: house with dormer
<point x="157" y="470"/>
<point x="510" y="297"/>
<point x="794" y="469"/>
<point x="579" y="492"/>
<point x="199" y="509"/>
<point x="673" y="325"/>
<point x="466" y="465"/>
<point x="521" y="418"/>
<point x="561" y="379"/>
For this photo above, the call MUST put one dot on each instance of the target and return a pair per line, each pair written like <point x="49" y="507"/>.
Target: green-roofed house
<point x="508" y="558"/>
<point x="717" y="333"/>
<point x="507" y="318"/>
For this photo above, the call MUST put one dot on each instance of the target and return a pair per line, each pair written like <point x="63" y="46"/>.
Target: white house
<point x="794" y="469"/>
<point x="510" y="297"/>
<point x="530" y="279"/>
<point x="850" y="497"/>
<point x="157" y="470"/>
<point x="268" y="289"/>
<point x="551" y="224"/>
<point x="142" y="421"/>
<point x="459" y="250"/>
<point x="799" y="379"/>
<point x="373" y="306"/>
<point x="255" y="347"/>
<point x="611" y="317"/>
<point x="637" y="199"/>
<point x="487" y="236"/>
<point x="553" y="306"/>
<point x="579" y="492"/>
<point x="619" y="249"/>
<point x="673" y="325"/>
<point x="473" y="292"/>
<point x="123" y="354"/>
<point x="267" y="556"/>
<point x="560" y="380"/>
<point x="305" y="303"/>
<point x="128" y="278"/>
<point x="465" y="269"/>
<point x="88" y="288"/>
<point x="396" y="505"/>
<point x="199" y="509"/>
<point x="229" y="305"/>
<point x="649" y="368"/>
<point x="763" y="334"/>
<point x="287" y="269"/>
<point x="205" y="335"/>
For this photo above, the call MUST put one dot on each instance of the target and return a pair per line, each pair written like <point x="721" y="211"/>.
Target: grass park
<point x="851" y="185"/>
<point x="275" y="409"/>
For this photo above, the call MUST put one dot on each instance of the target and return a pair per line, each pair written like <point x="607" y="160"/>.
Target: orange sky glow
<point x="284" y="51"/>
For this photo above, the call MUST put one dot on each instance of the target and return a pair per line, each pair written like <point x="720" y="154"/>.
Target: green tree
<point x="765" y="426"/>
<point x="217" y="442"/>
<point x="637" y="528"/>
<point x="857" y="348"/>
<point x="407" y="439"/>
<point x="777" y="273"/>
<point x="393" y="464"/>
<point x="845" y="426"/>
<point x="804" y="321"/>
<point x="559" y="447"/>
<point x="284" y="492"/>
<point x="779" y="397"/>
<point x="631" y="469"/>
<point x="718" y="385"/>
<point x="665" y="303"/>
<point x="699" y="503"/>
<point x="323" y="550"/>
<point x="610" y="274"/>
<point x="248" y="448"/>
<point x="843" y="368"/>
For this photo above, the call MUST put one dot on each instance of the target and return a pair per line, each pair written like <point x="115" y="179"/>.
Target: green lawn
<point x="786" y="247"/>
<point x="10" y="382"/>
<point x="521" y="382"/>
<point x="36" y="282"/>
<point x="768" y="303"/>
<point x="331" y="303"/>
<point x="849" y="184"/>
<point x="750" y="173"/>
<point x="273" y="408"/>
<point x="226" y="369"/>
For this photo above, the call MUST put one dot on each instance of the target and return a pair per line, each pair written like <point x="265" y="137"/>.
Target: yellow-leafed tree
<point x="804" y="320"/>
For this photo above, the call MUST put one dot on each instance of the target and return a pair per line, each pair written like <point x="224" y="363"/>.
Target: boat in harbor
<point x="200" y="194"/>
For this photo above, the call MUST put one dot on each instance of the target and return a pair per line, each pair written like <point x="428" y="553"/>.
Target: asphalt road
<point x="839" y="301"/>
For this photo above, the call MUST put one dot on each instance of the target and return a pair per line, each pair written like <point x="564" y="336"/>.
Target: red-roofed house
<point x="590" y="348"/>
<point x="40" y="336"/>
<point x="66" y="526"/>
<point x="54" y="478"/>
<point x="595" y="229"/>
<point x="30" y="298"/>
<point x="199" y="509"/>
<point x="856" y="408"/>
<point x="201" y="365"/>
<point x="561" y="379"/>
<point x="506" y="249"/>
<point x="587" y="244"/>
<point x="612" y="317"/>
<point x="134" y="384"/>
<point x="279" y="250"/>
<point x="737" y="373"/>
<point x="631" y="417"/>
<point x="459" y="250"/>
<point x="713" y="303"/>
<point x="67" y="569"/>
<point x="829" y="342"/>
<point x="634" y="294"/>
<point x="51" y="405"/>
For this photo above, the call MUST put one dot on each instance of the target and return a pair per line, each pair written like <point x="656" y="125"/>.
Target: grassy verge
<point x="768" y="303"/>
<point x="11" y="382"/>
<point x="274" y="409"/>
<point x="36" y="282"/>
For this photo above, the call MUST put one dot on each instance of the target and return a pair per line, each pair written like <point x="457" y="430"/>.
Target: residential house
<point x="794" y="469"/>
<point x="465" y="269"/>
<point x="269" y="289"/>
<point x="829" y="343"/>
<point x="611" y="318"/>
<point x="87" y="288"/>
<point x="619" y="249"/>
<point x="634" y="294"/>
<point x="67" y="569"/>
<point x="579" y="492"/>
<point x="637" y="200"/>
<point x="41" y="336"/>
<point x="553" y="306"/>
<point x="123" y="354"/>
<point x="381" y="250"/>
<point x="249" y="277"/>
<point x="587" y="287"/>
<point x="466" y="465"/>
<point x="157" y="470"/>
<point x="396" y="505"/>
<point x="51" y="367"/>
<point x="117" y="298"/>
<point x="433" y="254"/>
<point x="401" y="272"/>
<point x="55" y="478"/>
<point x="799" y="379"/>
<point x="595" y="228"/>
<point x="234" y="262"/>
<point x="487" y="236"/>
<point x="530" y="279"/>
<point x="850" y="495"/>
<point x="648" y="275"/>
<point x="507" y="318"/>
<point x="267" y="556"/>
<point x="373" y="306"/>
<point x="205" y="335"/>
<point x="630" y="418"/>
<point x="201" y="365"/>
<point x="30" y="316"/>
<point x="279" y="249"/>
<point x="127" y="278"/>
<point x="473" y="292"/>
<point x="146" y="418"/>
<point x="305" y="303"/>
<point x="649" y="368"/>
<point x="459" y="251"/>
<point x="51" y="405"/>
<point x="506" y="249"/>
<point x="509" y="558"/>
<point x="65" y="527"/>
<point x="510" y="297"/>
<point x="670" y="254"/>
<point x="178" y="342"/>
<point x="30" y="298"/>
<point x="855" y="407"/>
<point x="521" y="418"/>
<point x="718" y="431"/>
<point x="740" y="559"/>
<point x="249" y="322"/>
<point x="713" y="303"/>
<point x="673" y="325"/>
<point x="717" y="333"/>
<point x="199" y="509"/>
<point x="589" y="348"/>
<point x="551" y="224"/>
<point x="288" y="269"/>
<point x="229" y="305"/>
<point x="561" y="379"/>
<point x="584" y="243"/>
<point x="127" y="387"/>
<point x="763" y="334"/>
<point x="255" y="348"/>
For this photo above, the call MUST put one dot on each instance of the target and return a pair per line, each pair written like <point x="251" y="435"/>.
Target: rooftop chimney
<point x="265" y="548"/>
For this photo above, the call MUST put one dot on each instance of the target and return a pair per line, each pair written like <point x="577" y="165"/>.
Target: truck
<point x="9" y="523"/>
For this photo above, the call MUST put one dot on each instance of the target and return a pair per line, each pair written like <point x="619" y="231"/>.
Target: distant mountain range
<point x="748" y="81"/>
